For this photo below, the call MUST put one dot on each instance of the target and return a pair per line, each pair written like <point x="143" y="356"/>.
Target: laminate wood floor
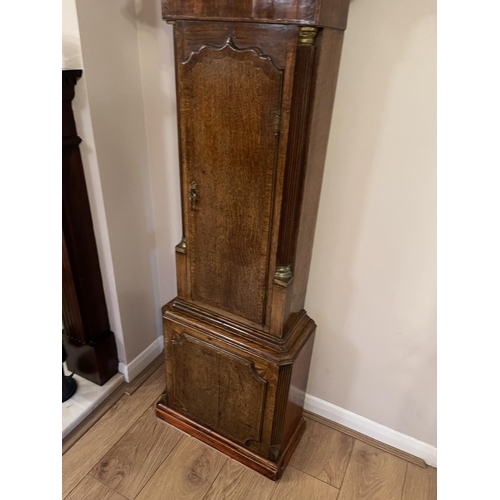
<point x="130" y="454"/>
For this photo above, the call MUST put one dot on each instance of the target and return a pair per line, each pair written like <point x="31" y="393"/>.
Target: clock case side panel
<point x="181" y="247"/>
<point x="309" y="132"/>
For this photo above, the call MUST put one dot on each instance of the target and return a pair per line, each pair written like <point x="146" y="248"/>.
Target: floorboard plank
<point x="296" y="485"/>
<point x="130" y="463"/>
<point x="420" y="484"/>
<point x="186" y="474"/>
<point x="366" y="439"/>
<point x="236" y="482"/>
<point x="131" y="387"/>
<point x="323" y="453"/>
<point x="97" y="441"/>
<point x="373" y="474"/>
<point x="91" y="489"/>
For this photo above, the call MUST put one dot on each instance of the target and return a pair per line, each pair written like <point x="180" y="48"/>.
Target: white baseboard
<point x="131" y="370"/>
<point x="425" y="451"/>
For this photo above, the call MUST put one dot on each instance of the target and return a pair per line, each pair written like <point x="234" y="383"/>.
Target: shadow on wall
<point x="158" y="80"/>
<point x="145" y="12"/>
<point x="376" y="41"/>
<point x="423" y="370"/>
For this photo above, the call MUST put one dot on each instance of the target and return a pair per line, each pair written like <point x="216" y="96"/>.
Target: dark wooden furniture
<point x="89" y="342"/>
<point x="255" y="87"/>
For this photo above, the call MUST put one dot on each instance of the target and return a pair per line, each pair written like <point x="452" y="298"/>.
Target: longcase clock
<point x="255" y="87"/>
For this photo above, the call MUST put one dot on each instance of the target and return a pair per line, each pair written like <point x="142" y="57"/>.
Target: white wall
<point x="372" y="287"/>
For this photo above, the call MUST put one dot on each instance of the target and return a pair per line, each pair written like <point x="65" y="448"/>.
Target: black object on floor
<point x="69" y="384"/>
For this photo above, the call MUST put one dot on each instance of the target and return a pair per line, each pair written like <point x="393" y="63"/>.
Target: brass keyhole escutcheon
<point x="193" y="194"/>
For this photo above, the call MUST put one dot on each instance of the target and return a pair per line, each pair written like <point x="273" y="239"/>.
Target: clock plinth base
<point x="268" y="468"/>
<point x="232" y="389"/>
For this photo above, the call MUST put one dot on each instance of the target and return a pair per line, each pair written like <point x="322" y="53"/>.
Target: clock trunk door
<point x="229" y="100"/>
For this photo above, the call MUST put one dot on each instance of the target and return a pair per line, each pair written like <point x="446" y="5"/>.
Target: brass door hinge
<point x="277" y="127"/>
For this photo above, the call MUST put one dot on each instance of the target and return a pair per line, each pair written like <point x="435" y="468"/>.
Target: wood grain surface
<point x="323" y="453"/>
<point x="373" y="475"/>
<point x="216" y="387"/>
<point x="80" y="459"/>
<point x="296" y="485"/>
<point x="420" y="484"/>
<point x="365" y="439"/>
<point x="331" y="13"/>
<point x="236" y="482"/>
<point x="128" y="466"/>
<point x="91" y="489"/>
<point x="229" y="99"/>
<point x="186" y="474"/>
<point x="213" y="380"/>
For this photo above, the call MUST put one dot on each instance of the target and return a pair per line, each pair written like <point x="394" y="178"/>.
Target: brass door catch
<point x="193" y="194"/>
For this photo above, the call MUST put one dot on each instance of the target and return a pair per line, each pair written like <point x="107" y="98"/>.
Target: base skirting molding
<point x="234" y="450"/>
<point x="379" y="432"/>
<point x="138" y="364"/>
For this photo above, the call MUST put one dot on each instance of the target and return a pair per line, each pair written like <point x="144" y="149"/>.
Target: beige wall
<point x="160" y="109"/>
<point x="372" y="288"/>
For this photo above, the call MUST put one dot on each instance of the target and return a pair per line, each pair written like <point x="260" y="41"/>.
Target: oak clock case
<point x="255" y="86"/>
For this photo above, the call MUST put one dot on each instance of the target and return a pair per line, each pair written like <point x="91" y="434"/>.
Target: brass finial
<point x="181" y="247"/>
<point x="283" y="275"/>
<point x="307" y="35"/>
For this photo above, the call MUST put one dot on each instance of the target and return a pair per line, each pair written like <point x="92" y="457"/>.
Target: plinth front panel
<point x="229" y="105"/>
<point x="216" y="387"/>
